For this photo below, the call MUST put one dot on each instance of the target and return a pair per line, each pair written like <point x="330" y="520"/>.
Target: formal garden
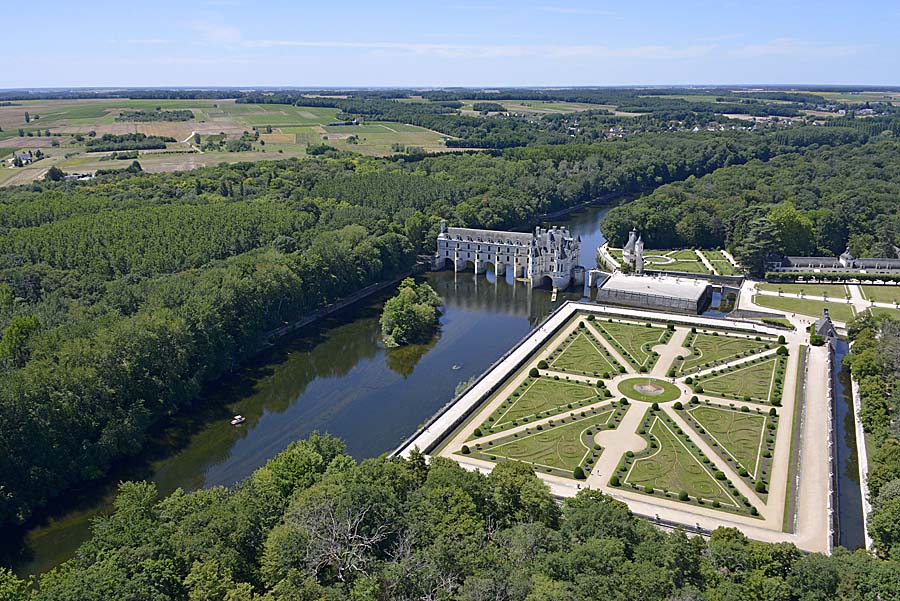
<point x="711" y="348"/>
<point x="700" y="406"/>
<point x="634" y="341"/>
<point x="672" y="466"/>
<point x="563" y="446"/>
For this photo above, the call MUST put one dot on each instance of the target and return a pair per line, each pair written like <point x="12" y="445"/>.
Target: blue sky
<point x="452" y="42"/>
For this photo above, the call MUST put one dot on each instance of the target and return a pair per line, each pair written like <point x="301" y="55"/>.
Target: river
<point x="334" y="376"/>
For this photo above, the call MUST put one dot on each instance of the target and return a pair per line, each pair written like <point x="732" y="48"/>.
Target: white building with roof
<point x="662" y="293"/>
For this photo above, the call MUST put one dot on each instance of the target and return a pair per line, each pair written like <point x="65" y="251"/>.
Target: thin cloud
<point x="573" y="10"/>
<point x="147" y="41"/>
<point x="791" y="48"/>
<point x="652" y="52"/>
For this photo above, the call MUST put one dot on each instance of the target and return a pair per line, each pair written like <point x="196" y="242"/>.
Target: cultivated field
<point x="61" y="127"/>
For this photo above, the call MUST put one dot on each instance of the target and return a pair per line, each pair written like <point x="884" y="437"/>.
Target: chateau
<point x="546" y="257"/>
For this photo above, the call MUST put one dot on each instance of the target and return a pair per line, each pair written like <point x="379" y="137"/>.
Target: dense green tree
<point x="760" y="241"/>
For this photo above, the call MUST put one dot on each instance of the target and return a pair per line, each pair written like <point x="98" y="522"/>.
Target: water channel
<point x="335" y="377"/>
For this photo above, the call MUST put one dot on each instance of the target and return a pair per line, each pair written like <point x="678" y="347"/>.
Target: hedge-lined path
<point x="668" y="351"/>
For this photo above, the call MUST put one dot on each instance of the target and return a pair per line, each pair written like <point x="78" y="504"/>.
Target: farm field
<point x="839" y="311"/>
<point x="59" y="128"/>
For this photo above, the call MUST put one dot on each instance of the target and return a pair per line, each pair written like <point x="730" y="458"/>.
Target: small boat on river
<point x="237" y="420"/>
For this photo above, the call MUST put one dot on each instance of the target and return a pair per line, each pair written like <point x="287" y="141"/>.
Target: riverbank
<point x="329" y="373"/>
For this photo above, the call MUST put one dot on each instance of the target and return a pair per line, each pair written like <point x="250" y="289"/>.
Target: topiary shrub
<point x="534" y="373"/>
<point x="465" y="450"/>
<point x="781" y="339"/>
<point x="782" y="350"/>
<point x="678" y="406"/>
<point x="614" y="481"/>
<point x="683" y="496"/>
<point x="648" y="489"/>
<point x="477" y="432"/>
<point x="773" y="412"/>
<point x="578" y="473"/>
<point x="720" y="475"/>
<point x="655" y="406"/>
<point x="542" y="364"/>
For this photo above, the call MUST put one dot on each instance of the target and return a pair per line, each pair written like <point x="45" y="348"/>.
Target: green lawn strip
<point x="673" y="466"/>
<point x="582" y="353"/>
<point x="790" y="493"/>
<point x="634" y="341"/>
<point x="540" y="397"/>
<point x="759" y="380"/>
<point x="556" y="447"/>
<point x="479" y="415"/>
<point x="744" y="439"/>
<point x="777" y="321"/>
<point x="683" y="260"/>
<point x="721" y="263"/>
<point x="835" y="291"/>
<point x="893" y="313"/>
<point x="839" y="311"/>
<point x="710" y="348"/>
<point x="631" y="389"/>
<point x="881" y="294"/>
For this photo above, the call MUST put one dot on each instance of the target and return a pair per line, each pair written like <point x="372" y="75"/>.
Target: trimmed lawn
<point x="835" y="291"/>
<point x="633" y="340"/>
<point x="893" y="313"/>
<point x="685" y="260"/>
<point x="756" y="381"/>
<point x="739" y="435"/>
<point x="674" y="467"/>
<point x="540" y="395"/>
<point x="881" y="294"/>
<point x="562" y="447"/>
<point x="585" y="355"/>
<point x="839" y="311"/>
<point x="711" y="349"/>
<point x="663" y="391"/>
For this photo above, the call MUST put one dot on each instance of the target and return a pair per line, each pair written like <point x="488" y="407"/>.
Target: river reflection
<point x="335" y="377"/>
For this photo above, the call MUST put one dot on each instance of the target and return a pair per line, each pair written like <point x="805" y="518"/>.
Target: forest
<point x="120" y="297"/>
<point x="108" y="142"/>
<point x="312" y="524"/>
<point x="157" y="115"/>
<point x="816" y="202"/>
<point x="123" y="296"/>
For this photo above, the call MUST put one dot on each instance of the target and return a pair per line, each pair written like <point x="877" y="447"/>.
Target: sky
<point x="450" y="43"/>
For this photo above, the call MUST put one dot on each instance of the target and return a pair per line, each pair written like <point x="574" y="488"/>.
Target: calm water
<point x="850" y="511"/>
<point x="337" y="377"/>
<point x="334" y="377"/>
